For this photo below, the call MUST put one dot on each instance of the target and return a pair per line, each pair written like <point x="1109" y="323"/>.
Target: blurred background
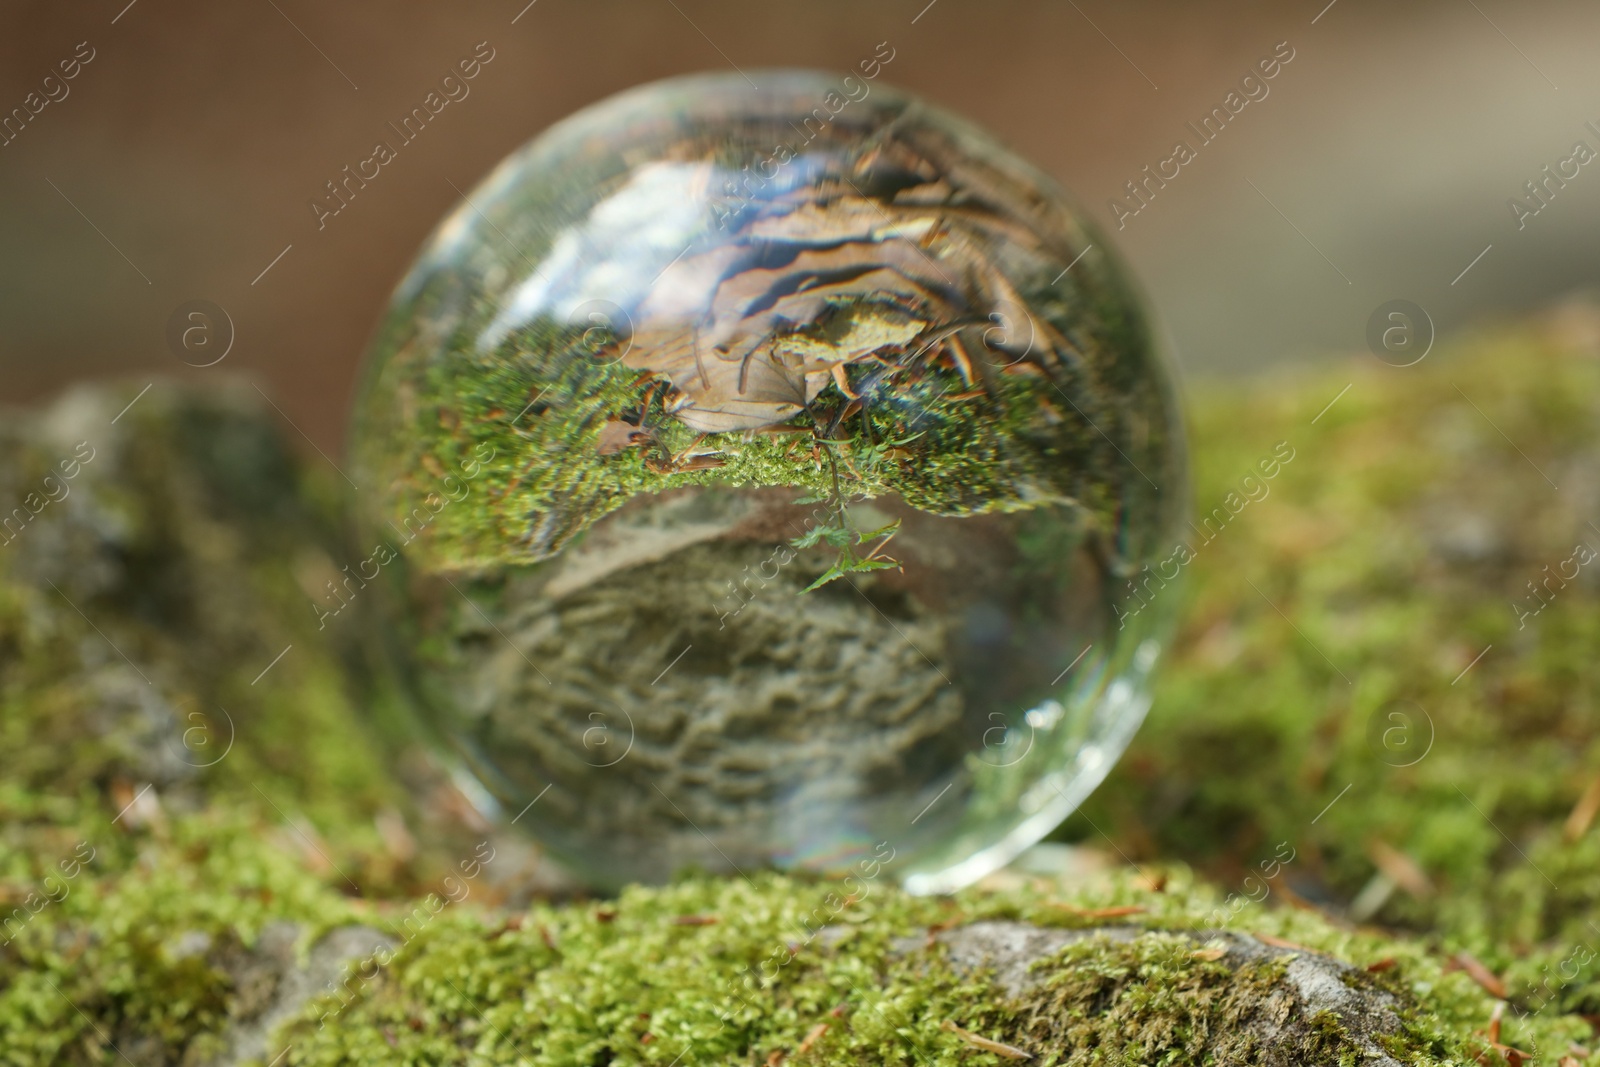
<point x="180" y="160"/>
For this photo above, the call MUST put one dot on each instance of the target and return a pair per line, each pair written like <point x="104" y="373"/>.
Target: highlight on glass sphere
<point x="773" y="477"/>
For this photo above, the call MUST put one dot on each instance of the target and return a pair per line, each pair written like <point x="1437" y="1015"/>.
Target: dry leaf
<point x="616" y="435"/>
<point x="752" y="331"/>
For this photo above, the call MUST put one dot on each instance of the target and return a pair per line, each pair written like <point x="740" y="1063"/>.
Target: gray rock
<point x="1312" y="983"/>
<point x="272" y="986"/>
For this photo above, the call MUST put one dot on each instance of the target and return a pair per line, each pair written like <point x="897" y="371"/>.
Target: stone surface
<point x="1312" y="983"/>
<point x="272" y="985"/>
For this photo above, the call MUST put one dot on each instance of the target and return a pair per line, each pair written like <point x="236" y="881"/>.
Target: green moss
<point x="149" y="654"/>
<point x="1353" y="545"/>
<point x="629" y="984"/>
<point x="520" y="432"/>
<point x="1148" y="1000"/>
<point x="1387" y="557"/>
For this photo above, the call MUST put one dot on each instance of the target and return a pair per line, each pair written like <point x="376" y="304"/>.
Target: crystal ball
<point x="776" y="472"/>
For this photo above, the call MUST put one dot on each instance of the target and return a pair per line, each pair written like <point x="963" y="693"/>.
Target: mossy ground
<point x="1389" y="556"/>
<point x="942" y="444"/>
<point x="1261" y="721"/>
<point x="631" y="983"/>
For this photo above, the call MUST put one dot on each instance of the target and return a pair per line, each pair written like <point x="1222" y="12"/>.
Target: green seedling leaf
<point x="884" y="532"/>
<point x="828" y="575"/>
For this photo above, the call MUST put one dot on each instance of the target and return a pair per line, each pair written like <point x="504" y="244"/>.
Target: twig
<point x="1486" y="978"/>
<point x="811" y="1038"/>
<point x="999" y="1048"/>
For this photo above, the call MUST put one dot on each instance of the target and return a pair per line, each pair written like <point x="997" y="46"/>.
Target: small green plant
<point x="839" y="532"/>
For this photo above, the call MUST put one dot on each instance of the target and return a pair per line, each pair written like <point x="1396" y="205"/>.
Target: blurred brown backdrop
<point x="181" y="160"/>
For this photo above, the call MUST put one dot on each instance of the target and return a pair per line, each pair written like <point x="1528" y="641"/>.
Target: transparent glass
<point x="772" y="477"/>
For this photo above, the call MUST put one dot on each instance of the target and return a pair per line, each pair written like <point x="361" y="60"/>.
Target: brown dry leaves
<point x="751" y="331"/>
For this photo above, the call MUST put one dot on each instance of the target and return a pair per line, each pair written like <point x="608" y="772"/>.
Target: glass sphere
<point x="781" y="476"/>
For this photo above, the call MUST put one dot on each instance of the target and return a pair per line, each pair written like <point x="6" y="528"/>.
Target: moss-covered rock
<point x="1388" y="659"/>
<point x="202" y="813"/>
